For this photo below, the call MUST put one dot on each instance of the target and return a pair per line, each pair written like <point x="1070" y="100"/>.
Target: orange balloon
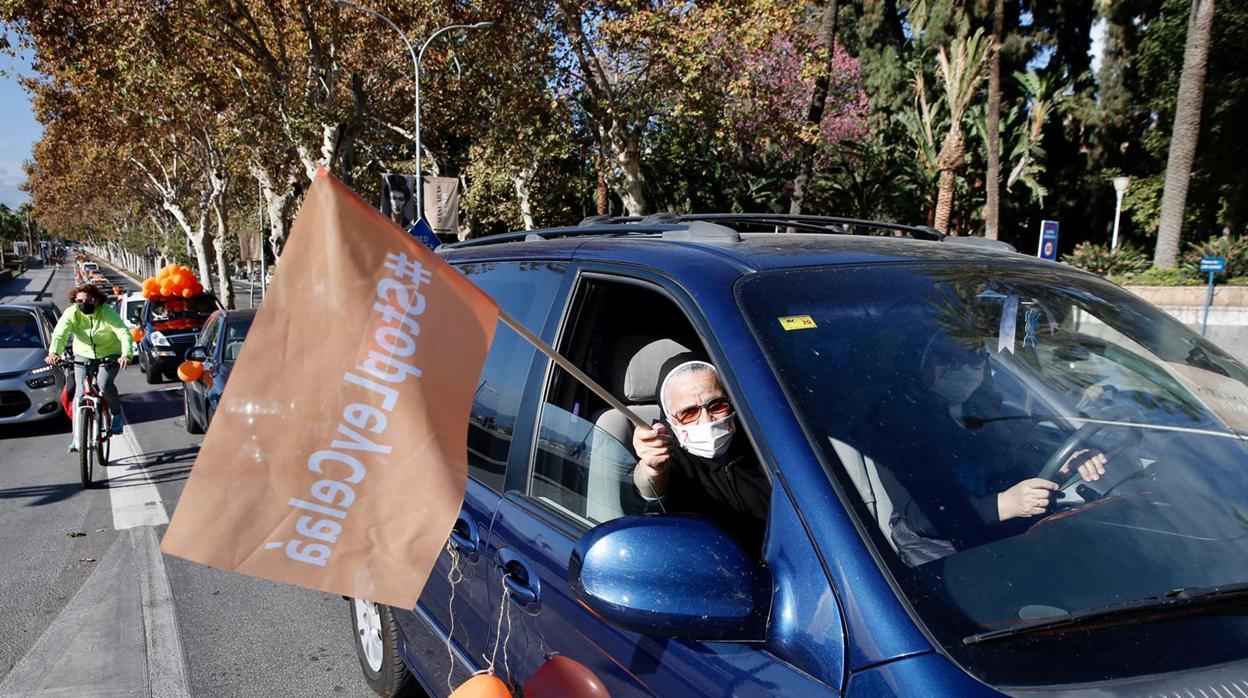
<point x="136" y="334"/>
<point x="482" y="686"/>
<point x="179" y="279"/>
<point x="187" y="293"/>
<point x="190" y="371"/>
<point x="169" y="269"/>
<point x="561" y="677"/>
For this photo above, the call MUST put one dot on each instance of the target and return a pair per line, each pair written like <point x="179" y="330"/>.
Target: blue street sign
<point x="1048" y="240"/>
<point x="421" y="231"/>
<point x="1213" y="263"/>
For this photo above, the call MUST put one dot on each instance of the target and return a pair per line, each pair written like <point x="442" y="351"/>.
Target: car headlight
<point x="41" y="382"/>
<point x="41" y="370"/>
<point x="159" y="339"/>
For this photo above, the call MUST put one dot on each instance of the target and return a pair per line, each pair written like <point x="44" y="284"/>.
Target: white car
<point x="130" y="308"/>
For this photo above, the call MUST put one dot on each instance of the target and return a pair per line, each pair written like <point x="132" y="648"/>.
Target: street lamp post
<point x="417" y="57"/>
<point x="1120" y="188"/>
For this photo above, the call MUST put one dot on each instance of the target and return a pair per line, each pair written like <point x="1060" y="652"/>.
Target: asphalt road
<point x="89" y="607"/>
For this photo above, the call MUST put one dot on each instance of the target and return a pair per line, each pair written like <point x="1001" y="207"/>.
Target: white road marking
<point x="136" y="501"/>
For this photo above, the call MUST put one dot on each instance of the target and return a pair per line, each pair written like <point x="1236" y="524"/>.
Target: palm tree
<point x="960" y="69"/>
<point x="1185" y="135"/>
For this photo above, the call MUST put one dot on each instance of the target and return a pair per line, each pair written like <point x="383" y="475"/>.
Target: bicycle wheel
<point x="104" y="437"/>
<point x="86" y="449"/>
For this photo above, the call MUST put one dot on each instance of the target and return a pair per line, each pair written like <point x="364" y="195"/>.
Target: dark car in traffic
<point x="170" y="326"/>
<point x="217" y="348"/>
<point x="892" y="387"/>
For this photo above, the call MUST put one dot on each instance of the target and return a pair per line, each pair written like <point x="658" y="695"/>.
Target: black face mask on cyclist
<point x="87" y="307"/>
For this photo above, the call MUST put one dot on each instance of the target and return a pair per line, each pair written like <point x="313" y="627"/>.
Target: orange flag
<point x="337" y="458"/>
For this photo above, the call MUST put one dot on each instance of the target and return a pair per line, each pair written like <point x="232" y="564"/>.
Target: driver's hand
<point x="51" y="359"/>
<point x="654" y="453"/>
<point x="1027" y="498"/>
<point x="122" y="363"/>
<point x="1090" y="467"/>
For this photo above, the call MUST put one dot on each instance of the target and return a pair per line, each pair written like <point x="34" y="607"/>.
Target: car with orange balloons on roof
<point x="177" y="307"/>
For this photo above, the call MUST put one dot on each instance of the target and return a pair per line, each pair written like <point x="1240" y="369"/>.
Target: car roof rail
<point x="977" y="241"/>
<point x="718" y="227"/>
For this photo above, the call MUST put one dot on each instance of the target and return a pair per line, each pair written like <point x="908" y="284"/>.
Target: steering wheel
<point x="1069" y="446"/>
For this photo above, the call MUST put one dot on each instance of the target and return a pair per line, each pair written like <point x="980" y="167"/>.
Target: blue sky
<point x="18" y="128"/>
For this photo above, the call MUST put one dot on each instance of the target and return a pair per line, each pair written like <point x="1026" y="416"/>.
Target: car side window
<point x="584" y="459"/>
<point x="526" y="291"/>
<point x="208" y="339"/>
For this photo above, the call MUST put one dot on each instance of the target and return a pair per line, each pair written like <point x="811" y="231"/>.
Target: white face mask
<point x="958" y="384"/>
<point x="708" y="440"/>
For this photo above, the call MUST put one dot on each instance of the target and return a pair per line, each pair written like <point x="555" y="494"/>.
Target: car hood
<point x="21" y="359"/>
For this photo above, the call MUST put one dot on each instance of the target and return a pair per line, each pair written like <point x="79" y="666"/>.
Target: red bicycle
<point x="92" y="420"/>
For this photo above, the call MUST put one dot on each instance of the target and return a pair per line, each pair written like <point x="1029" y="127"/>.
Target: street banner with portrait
<point x="337" y="458"/>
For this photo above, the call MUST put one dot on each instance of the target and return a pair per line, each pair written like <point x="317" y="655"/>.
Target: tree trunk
<point x="225" y="289"/>
<point x="992" y="192"/>
<point x="524" y="181"/>
<point x="602" y="194"/>
<point x="948" y="162"/>
<point x="1185" y="135"/>
<point x="818" y="104"/>
<point x="631" y="187"/>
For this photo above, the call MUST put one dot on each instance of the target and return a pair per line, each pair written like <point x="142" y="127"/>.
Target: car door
<point x="197" y="391"/>
<point x="456" y="601"/>
<point x="551" y="504"/>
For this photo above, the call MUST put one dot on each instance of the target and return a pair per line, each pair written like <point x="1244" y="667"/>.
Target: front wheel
<point x="152" y="375"/>
<point x="377" y="644"/>
<point x="103" y="438"/>
<point x="86" y="449"/>
<point x="192" y="424"/>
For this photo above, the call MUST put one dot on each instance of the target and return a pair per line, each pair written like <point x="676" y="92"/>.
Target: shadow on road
<point x="152" y="406"/>
<point x="157" y="467"/>
<point x="42" y="494"/>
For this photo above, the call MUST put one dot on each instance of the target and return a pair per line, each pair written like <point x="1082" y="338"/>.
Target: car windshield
<point x="19" y="330"/>
<point x="187" y="313"/>
<point x="939" y="395"/>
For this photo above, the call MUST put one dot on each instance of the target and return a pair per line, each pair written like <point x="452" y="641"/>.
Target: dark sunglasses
<point x="718" y="408"/>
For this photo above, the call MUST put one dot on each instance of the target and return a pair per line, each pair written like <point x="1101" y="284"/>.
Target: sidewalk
<point x="30" y="286"/>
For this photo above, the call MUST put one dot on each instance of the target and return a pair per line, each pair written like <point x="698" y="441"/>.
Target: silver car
<point x="29" y="389"/>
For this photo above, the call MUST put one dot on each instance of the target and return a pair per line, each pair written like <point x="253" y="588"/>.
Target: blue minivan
<point x="990" y="474"/>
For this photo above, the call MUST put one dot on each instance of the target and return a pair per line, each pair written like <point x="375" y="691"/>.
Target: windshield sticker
<point x="1031" y="321"/>
<point x="797" y="322"/>
<point x="1009" y="324"/>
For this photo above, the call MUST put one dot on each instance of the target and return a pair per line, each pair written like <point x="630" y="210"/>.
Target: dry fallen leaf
<point x="75" y="534"/>
<point x="86" y="559"/>
<point x="99" y="530"/>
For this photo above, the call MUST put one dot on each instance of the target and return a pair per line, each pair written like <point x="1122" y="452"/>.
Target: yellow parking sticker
<point x="797" y="322"/>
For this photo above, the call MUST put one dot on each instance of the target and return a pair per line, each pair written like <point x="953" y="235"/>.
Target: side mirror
<point x="674" y="575"/>
<point x="196" y="354"/>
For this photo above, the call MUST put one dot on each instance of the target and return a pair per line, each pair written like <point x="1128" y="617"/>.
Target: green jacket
<point x="96" y="336"/>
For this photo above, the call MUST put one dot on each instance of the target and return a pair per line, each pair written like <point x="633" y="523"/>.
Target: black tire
<point x="86" y="450"/>
<point x="152" y="375"/>
<point x="103" y="447"/>
<point x="192" y="424"/>
<point x="172" y="375"/>
<point x="391" y="679"/>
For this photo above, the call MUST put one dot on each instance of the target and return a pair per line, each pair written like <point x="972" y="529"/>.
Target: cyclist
<point x="99" y="333"/>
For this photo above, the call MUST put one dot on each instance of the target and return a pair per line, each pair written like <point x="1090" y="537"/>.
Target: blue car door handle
<point x="466" y="538"/>
<point x="524" y="587"/>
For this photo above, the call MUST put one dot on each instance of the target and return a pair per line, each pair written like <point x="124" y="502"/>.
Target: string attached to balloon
<point x="453" y="577"/>
<point x="503" y="611"/>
